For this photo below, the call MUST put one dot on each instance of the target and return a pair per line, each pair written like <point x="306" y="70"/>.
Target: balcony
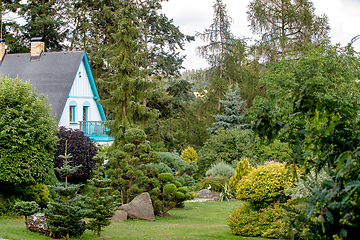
<point x="96" y="131"/>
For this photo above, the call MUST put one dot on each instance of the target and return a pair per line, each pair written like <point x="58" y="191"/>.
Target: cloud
<point x="195" y="15"/>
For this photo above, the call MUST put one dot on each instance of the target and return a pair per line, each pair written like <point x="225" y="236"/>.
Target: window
<point x="72" y="114"/>
<point x="85" y="113"/>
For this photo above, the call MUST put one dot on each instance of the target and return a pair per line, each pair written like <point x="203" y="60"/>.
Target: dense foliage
<point x="82" y="150"/>
<point x="265" y="185"/>
<point x="220" y="169"/>
<point x="313" y="100"/>
<point x="27" y="135"/>
<point x="242" y="169"/>
<point x="266" y="222"/>
<point x="189" y="154"/>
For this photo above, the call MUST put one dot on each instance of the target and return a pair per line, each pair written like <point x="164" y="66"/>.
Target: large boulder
<point x="205" y="193"/>
<point x="38" y="223"/>
<point x="119" y="215"/>
<point x="140" y="208"/>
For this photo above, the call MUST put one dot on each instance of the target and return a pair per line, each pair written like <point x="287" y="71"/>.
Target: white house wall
<point x="80" y="93"/>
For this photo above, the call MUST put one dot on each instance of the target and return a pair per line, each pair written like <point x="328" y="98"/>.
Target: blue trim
<point x="93" y="86"/>
<point x="101" y="138"/>
<point x="72" y="103"/>
<point x="81" y="97"/>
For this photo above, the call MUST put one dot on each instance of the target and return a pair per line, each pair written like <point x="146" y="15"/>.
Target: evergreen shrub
<point x="189" y="155"/>
<point x="40" y="194"/>
<point x="266" y="222"/>
<point x="216" y="183"/>
<point x="265" y="185"/>
<point x="242" y="169"/>
<point x="220" y="169"/>
<point x="82" y="150"/>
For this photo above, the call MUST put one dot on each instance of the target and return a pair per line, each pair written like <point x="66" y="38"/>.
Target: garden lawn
<point x="197" y="220"/>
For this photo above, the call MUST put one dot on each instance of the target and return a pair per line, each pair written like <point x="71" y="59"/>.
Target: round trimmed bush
<point x="265" y="185"/>
<point x="220" y="169"/>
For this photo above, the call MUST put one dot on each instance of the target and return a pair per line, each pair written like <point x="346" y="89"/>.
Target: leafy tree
<point x="234" y="112"/>
<point x="99" y="202"/>
<point x="219" y="39"/>
<point x="82" y="150"/>
<point x="286" y="25"/>
<point x="27" y="135"/>
<point x="65" y="213"/>
<point x="316" y="106"/>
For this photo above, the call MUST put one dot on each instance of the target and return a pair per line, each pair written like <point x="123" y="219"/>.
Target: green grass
<point x="196" y="221"/>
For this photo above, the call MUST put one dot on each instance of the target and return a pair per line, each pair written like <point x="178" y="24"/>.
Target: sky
<point x="196" y="15"/>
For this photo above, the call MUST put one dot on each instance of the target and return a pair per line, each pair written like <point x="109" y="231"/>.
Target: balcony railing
<point x="95" y="130"/>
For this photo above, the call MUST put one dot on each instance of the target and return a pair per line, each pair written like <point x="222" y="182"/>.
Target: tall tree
<point x="285" y="25"/>
<point x="219" y="41"/>
<point x="161" y="38"/>
<point x="125" y="83"/>
<point x="44" y="18"/>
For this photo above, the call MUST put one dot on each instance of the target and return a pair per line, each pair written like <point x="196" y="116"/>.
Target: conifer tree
<point x="99" y="202"/>
<point x="234" y="111"/>
<point x="125" y="84"/>
<point x="66" y="212"/>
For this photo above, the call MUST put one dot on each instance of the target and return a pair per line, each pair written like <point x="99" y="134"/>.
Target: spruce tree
<point x="234" y="112"/>
<point x="100" y="204"/>
<point x="66" y="212"/>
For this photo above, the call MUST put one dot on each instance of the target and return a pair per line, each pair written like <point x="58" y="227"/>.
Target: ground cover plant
<point x="194" y="221"/>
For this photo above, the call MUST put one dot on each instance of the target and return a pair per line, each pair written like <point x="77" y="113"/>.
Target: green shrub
<point x="229" y="146"/>
<point x="26" y="209"/>
<point x="220" y="169"/>
<point x="267" y="222"/>
<point x="40" y="194"/>
<point x="277" y="150"/>
<point x="216" y="183"/>
<point x="265" y="185"/>
<point x="186" y="180"/>
<point x="173" y="161"/>
<point x="242" y="169"/>
<point x="27" y="136"/>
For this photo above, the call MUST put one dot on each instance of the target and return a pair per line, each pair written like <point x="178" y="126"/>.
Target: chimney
<point x="37" y="47"/>
<point x="2" y="49"/>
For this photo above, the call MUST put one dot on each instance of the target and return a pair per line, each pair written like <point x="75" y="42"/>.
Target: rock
<point x="205" y="193"/>
<point x="140" y="208"/>
<point x="38" y="223"/>
<point x="119" y="215"/>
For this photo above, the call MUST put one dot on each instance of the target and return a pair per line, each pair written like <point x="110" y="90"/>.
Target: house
<point x="66" y="79"/>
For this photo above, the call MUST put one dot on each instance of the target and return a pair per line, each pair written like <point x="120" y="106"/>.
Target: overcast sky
<point x="195" y="15"/>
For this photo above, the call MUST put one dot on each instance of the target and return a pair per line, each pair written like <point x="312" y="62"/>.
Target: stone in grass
<point x="119" y="215"/>
<point x="140" y="208"/>
<point x="205" y="193"/>
<point x="38" y="223"/>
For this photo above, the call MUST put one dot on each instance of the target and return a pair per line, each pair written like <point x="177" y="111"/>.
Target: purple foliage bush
<point x="82" y="150"/>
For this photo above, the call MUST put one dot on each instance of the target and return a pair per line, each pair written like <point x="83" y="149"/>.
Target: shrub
<point x="189" y="155"/>
<point x="40" y="194"/>
<point x="265" y="185"/>
<point x="216" y="183"/>
<point x="26" y="209"/>
<point x="267" y="222"/>
<point x="186" y="180"/>
<point x="82" y="150"/>
<point x="242" y="169"/>
<point x="220" y="169"/>
<point x="27" y="136"/>
<point x="229" y="146"/>
<point x="173" y="161"/>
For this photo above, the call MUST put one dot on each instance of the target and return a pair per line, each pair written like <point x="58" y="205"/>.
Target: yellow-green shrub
<point x="189" y="155"/>
<point x="265" y="185"/>
<point x="242" y="168"/>
<point x="267" y="222"/>
<point x="40" y="194"/>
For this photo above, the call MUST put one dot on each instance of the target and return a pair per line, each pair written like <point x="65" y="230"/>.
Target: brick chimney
<point x="2" y="49"/>
<point x="37" y="47"/>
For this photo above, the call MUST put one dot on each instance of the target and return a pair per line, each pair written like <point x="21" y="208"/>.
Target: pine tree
<point x="66" y="212"/>
<point x="234" y="112"/>
<point x="125" y="83"/>
<point x="99" y="202"/>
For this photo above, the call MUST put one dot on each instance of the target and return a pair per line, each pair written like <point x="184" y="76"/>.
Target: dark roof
<point x="52" y="74"/>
